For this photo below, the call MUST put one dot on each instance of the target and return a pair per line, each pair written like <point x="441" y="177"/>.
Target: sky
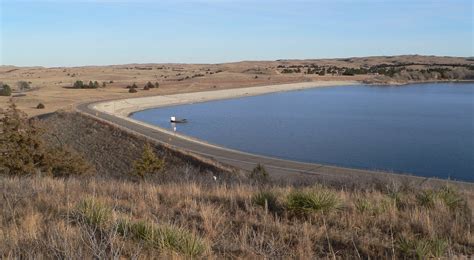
<point x="101" y="32"/>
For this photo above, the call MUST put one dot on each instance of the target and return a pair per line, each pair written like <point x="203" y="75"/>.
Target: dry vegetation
<point x="84" y="218"/>
<point x="50" y="209"/>
<point x="181" y="212"/>
<point x="63" y="87"/>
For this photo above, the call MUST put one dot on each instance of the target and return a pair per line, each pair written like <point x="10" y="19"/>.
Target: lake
<point x="420" y="129"/>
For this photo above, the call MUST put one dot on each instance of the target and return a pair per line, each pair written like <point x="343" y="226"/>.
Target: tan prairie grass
<point x="44" y="217"/>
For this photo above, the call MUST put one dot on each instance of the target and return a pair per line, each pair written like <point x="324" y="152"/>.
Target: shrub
<point x="259" y="174"/>
<point x="104" y="84"/>
<point x="146" y="87"/>
<point x="149" y="85"/>
<point x="78" y="84"/>
<point x="23" y="85"/>
<point x="5" y="90"/>
<point x="321" y="200"/>
<point x="64" y="162"/>
<point x="40" y="106"/>
<point x="24" y="152"/>
<point x="94" y="213"/>
<point x="157" y="85"/>
<point x="132" y="90"/>
<point x="148" y="164"/>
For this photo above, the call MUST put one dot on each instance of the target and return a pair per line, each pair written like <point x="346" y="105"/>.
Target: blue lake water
<point x="422" y="129"/>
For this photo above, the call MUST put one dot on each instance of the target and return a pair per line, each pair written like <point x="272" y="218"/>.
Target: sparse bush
<point x="5" y="90"/>
<point x="23" y="85"/>
<point x="148" y="164"/>
<point x="64" y="162"/>
<point x="318" y="200"/>
<point x="40" y="106"/>
<point x="259" y="174"/>
<point x="104" y="84"/>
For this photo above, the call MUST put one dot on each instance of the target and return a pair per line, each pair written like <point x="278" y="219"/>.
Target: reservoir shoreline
<point x="123" y="108"/>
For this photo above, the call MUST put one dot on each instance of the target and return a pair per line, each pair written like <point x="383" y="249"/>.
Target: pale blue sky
<point x="88" y="32"/>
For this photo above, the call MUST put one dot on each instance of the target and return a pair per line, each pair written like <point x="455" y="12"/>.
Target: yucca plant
<point x="94" y="213"/>
<point x="321" y="200"/>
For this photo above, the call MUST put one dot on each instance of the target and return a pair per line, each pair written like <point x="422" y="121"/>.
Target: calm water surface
<point x="423" y="129"/>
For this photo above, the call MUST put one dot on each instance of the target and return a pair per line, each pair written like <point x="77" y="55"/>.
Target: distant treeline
<point x="399" y="70"/>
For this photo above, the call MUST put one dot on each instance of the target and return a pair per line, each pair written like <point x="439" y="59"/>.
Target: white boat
<point x="176" y="120"/>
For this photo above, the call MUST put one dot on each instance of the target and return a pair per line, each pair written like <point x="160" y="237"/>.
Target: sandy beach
<point x="125" y="107"/>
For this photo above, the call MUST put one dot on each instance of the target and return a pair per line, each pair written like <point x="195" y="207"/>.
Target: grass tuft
<point x="168" y="237"/>
<point x="319" y="200"/>
<point x="426" y="199"/>
<point x="94" y="213"/>
<point x="451" y="198"/>
<point x="421" y="248"/>
<point x="267" y="200"/>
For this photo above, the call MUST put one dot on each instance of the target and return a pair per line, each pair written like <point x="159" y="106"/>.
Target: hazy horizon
<point x="59" y="33"/>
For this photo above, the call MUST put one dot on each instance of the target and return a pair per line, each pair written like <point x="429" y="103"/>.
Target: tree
<point x="5" y="90"/>
<point x="96" y="84"/>
<point x="134" y="85"/>
<point x="157" y="85"/>
<point x="148" y="164"/>
<point x="149" y="85"/>
<point x="23" y="151"/>
<point x="78" y="84"/>
<point x="91" y="84"/>
<point x="23" y="85"/>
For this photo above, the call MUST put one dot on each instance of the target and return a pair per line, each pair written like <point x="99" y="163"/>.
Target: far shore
<point x="125" y="107"/>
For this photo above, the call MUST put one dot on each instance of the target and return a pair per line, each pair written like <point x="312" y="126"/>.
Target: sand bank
<point x="124" y="107"/>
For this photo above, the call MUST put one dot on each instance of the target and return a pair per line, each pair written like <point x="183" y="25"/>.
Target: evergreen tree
<point x="5" y="90"/>
<point x="148" y="164"/>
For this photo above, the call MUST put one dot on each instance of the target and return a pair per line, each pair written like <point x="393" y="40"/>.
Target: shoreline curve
<point x="118" y="112"/>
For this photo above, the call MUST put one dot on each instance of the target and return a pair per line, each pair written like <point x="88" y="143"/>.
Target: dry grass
<point x="51" y="86"/>
<point x="43" y="217"/>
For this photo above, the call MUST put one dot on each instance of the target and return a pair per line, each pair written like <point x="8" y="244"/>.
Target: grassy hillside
<point x="95" y="217"/>
<point x="57" y="204"/>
